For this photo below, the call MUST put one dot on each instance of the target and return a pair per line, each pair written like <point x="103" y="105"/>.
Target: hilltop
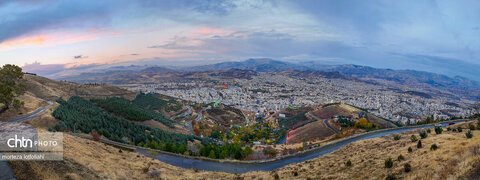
<point x="41" y="90"/>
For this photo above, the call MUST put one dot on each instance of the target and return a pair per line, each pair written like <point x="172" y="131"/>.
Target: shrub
<point x="95" y="136"/>
<point x="400" y="157"/>
<point x="459" y="129"/>
<point x="469" y="134"/>
<point x="433" y="147"/>
<point x="423" y="134"/>
<point x="276" y="176"/>
<point x="429" y="131"/>
<point x="410" y="149"/>
<point x="295" y="173"/>
<point x="419" y="144"/>
<point x="396" y="137"/>
<point x="438" y="130"/>
<point x="407" y="167"/>
<point x="390" y="177"/>
<point x="454" y="130"/>
<point x="348" y="163"/>
<point x="472" y="127"/>
<point x="413" y="138"/>
<point x="449" y="129"/>
<point x="389" y="163"/>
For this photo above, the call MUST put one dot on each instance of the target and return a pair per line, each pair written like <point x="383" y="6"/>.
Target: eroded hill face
<point x="41" y="90"/>
<point x="48" y="89"/>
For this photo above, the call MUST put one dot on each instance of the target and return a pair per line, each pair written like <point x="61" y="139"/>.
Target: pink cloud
<point x="209" y="31"/>
<point x="56" y="38"/>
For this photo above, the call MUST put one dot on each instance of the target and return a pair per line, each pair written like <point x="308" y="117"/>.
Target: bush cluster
<point x="472" y="127"/>
<point x="438" y="130"/>
<point x="407" y="167"/>
<point x="469" y="134"/>
<point x="413" y="138"/>
<point x="419" y="144"/>
<point x="389" y="163"/>
<point x="348" y="163"/>
<point x="433" y="147"/>
<point x="423" y="134"/>
<point x="459" y="129"/>
<point x="396" y="137"/>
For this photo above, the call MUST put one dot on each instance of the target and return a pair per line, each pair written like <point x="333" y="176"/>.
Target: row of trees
<point x="229" y="150"/>
<point x="129" y="110"/>
<point x="80" y="115"/>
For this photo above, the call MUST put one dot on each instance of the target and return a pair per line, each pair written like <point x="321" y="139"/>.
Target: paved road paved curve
<point x="6" y="172"/>
<point x="231" y="167"/>
<point x="36" y="113"/>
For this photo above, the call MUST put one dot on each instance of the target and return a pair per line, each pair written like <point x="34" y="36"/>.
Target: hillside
<point x="336" y="110"/>
<point x="40" y="90"/>
<point x="309" y="125"/>
<point x="457" y="157"/>
<point x="94" y="160"/>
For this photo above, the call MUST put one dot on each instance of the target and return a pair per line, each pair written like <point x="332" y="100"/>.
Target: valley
<point x="171" y="128"/>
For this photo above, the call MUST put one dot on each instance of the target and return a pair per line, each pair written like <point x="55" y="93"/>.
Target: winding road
<point x="6" y="172"/>
<point x="34" y="114"/>
<point x="272" y="164"/>
<point x="246" y="166"/>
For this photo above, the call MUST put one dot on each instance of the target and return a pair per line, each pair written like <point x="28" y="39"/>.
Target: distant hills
<point x="259" y="65"/>
<point x="401" y="80"/>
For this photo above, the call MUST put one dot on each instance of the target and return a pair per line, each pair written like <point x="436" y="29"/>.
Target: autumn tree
<point x="11" y="86"/>
<point x="363" y="123"/>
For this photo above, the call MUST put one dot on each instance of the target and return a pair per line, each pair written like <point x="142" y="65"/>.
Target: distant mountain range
<point x="399" y="79"/>
<point x="259" y="65"/>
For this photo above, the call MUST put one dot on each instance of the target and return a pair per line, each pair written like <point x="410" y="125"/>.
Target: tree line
<point x="80" y="115"/>
<point x="129" y="110"/>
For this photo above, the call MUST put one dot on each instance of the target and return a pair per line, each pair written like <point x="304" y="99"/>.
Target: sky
<point x="435" y="36"/>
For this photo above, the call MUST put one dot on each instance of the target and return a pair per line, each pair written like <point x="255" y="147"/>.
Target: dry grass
<point x="51" y="90"/>
<point x="454" y="159"/>
<point x="31" y="104"/>
<point x="109" y="163"/>
<point x="312" y="131"/>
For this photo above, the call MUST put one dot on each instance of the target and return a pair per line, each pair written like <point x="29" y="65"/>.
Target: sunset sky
<point x="435" y="36"/>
